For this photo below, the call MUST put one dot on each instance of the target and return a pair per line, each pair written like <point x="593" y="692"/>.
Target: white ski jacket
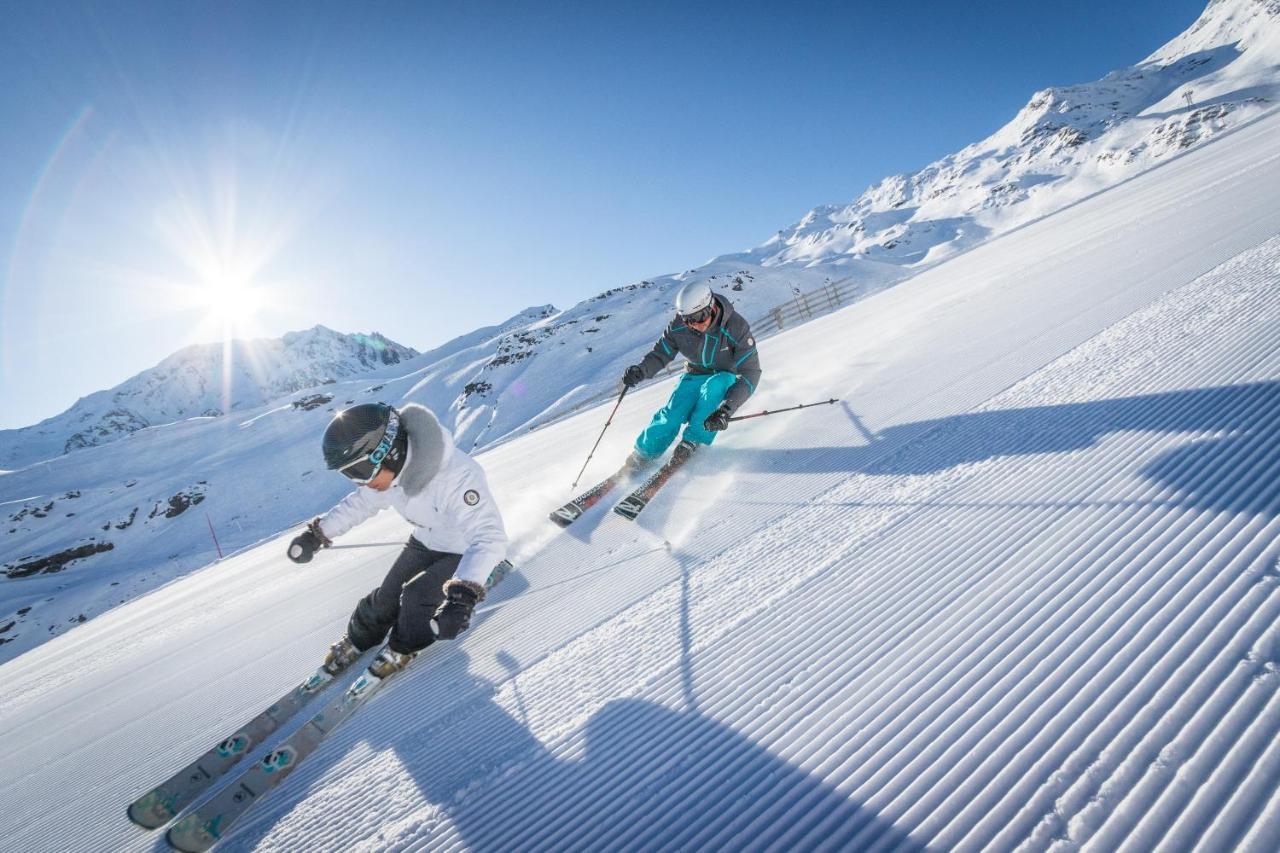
<point x="442" y="492"/>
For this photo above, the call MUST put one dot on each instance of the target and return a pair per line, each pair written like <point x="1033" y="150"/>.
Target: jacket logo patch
<point x="751" y="342"/>
<point x="471" y="497"/>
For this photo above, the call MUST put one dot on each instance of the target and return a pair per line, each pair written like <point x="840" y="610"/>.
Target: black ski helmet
<point x="364" y="438"/>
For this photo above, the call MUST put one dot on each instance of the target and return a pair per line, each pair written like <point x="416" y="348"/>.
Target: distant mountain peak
<point x="204" y="380"/>
<point x="1066" y="142"/>
<point x="1244" y="24"/>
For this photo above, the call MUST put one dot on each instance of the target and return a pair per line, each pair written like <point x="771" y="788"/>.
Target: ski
<point x="633" y="504"/>
<point x="206" y="825"/>
<point x="201" y="829"/>
<point x="570" y="512"/>
<point x="163" y="802"/>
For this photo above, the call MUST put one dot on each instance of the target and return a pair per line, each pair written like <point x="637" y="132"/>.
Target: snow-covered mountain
<point x="1066" y="143"/>
<point x="527" y="375"/>
<point x="1020" y="591"/>
<point x="83" y="531"/>
<point x="202" y="380"/>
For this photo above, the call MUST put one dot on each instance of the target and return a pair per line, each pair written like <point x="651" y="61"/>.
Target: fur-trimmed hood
<point x="428" y="444"/>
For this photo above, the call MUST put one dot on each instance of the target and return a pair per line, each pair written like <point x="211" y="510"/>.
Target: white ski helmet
<point x="692" y="298"/>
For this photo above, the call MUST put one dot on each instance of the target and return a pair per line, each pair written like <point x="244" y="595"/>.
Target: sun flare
<point x="231" y="301"/>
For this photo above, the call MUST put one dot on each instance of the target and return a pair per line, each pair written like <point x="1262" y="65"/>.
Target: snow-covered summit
<point x="1249" y="25"/>
<point x="203" y="380"/>
<point x="1066" y="143"/>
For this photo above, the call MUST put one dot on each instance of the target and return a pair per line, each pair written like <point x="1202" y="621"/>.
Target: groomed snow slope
<point x="1019" y="591"/>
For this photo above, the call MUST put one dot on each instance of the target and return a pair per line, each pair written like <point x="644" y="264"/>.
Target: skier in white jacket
<point x="406" y="460"/>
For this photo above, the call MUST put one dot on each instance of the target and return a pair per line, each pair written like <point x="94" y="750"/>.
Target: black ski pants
<point x="405" y="602"/>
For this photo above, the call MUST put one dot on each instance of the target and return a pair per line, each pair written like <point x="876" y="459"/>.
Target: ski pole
<point x="625" y="389"/>
<point x="780" y="411"/>
<point x="367" y="545"/>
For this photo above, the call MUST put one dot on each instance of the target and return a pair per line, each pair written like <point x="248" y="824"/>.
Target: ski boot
<point x="389" y="662"/>
<point x="683" y="451"/>
<point x="637" y="462"/>
<point x="341" y="655"/>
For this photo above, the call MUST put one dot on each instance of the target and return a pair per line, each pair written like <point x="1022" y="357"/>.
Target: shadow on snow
<point x="1230" y="468"/>
<point x="637" y="775"/>
<point x="642" y="775"/>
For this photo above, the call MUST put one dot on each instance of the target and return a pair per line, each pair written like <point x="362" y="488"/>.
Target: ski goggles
<point x="364" y="469"/>
<point x="699" y="316"/>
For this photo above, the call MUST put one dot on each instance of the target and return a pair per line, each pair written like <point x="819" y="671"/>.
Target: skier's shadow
<point x="637" y="775"/>
<point x="1234" y="471"/>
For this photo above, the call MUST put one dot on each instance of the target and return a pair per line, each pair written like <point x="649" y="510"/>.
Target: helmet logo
<point x="388" y="440"/>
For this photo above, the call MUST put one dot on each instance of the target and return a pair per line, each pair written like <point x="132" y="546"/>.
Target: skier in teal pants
<point x="723" y="371"/>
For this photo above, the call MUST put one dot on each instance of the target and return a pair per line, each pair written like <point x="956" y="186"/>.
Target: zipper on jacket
<point x="706" y="339"/>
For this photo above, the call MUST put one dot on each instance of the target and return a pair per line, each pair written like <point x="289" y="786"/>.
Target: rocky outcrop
<point x="55" y="562"/>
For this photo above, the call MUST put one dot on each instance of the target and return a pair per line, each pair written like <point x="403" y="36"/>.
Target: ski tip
<point x="628" y="511"/>
<point x="144" y="818"/>
<point x="499" y="572"/>
<point x="153" y="809"/>
<point x="188" y="839"/>
<point x="188" y="836"/>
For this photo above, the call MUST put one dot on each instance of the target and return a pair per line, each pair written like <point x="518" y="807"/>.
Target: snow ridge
<point x="1066" y="143"/>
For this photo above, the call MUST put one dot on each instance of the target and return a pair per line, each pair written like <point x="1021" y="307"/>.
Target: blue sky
<point x="421" y="169"/>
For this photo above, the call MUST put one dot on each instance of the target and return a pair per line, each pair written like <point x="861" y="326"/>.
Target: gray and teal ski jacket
<point x="727" y="345"/>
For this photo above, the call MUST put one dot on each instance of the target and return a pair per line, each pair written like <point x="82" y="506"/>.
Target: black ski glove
<point x="305" y="544"/>
<point x="634" y="376"/>
<point x="717" y="420"/>
<point x="454" y="616"/>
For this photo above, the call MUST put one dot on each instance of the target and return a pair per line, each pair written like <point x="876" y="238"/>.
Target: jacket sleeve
<point x="481" y="524"/>
<point x="746" y="365"/>
<point x="661" y="354"/>
<point x="360" y="505"/>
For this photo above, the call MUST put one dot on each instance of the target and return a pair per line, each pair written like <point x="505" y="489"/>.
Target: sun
<point x="219" y="264"/>
<point x="230" y="305"/>
<point x="232" y="301"/>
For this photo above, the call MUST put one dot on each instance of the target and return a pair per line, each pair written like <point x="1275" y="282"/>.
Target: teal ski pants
<point x="696" y="396"/>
